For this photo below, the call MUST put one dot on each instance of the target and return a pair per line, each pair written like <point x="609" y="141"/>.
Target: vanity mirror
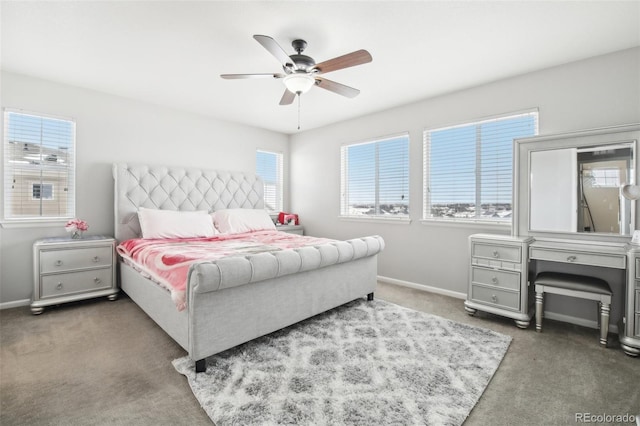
<point x="569" y="185"/>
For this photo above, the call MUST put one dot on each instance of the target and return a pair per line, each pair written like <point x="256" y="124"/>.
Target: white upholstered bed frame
<point x="276" y="291"/>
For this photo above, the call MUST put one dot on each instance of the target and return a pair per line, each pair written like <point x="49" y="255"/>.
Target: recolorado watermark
<point x="608" y="418"/>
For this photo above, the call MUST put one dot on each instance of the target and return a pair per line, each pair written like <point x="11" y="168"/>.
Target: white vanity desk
<point x="564" y="213"/>
<point x="604" y="255"/>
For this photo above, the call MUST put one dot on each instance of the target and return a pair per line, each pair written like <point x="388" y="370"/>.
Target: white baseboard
<point x="613" y="328"/>
<point x="423" y="287"/>
<point x="15" y="304"/>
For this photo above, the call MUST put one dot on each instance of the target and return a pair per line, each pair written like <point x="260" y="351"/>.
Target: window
<point x="42" y="191"/>
<point x="39" y="166"/>
<point x="269" y="168"/>
<point x="468" y="168"/>
<point x="375" y="178"/>
<point x="605" y="178"/>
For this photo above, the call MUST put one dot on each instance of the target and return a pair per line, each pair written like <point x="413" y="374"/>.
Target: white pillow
<point x="175" y="224"/>
<point x="235" y="221"/>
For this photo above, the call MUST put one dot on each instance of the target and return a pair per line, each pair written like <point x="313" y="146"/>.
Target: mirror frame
<point x="522" y="150"/>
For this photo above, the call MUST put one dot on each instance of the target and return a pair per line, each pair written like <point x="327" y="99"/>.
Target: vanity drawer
<point x="496" y="264"/>
<point x="75" y="282"/>
<point x="496" y="278"/>
<point x="71" y="259"/>
<point x="492" y="251"/>
<point x="600" y="259"/>
<point x="493" y="296"/>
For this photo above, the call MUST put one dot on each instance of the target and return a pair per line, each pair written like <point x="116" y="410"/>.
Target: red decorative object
<point x="285" y="218"/>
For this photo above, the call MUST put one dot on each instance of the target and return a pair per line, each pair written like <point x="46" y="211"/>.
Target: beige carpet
<point x="107" y="363"/>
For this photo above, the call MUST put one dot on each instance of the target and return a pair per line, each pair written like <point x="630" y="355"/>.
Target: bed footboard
<point x="201" y="364"/>
<point x="222" y="319"/>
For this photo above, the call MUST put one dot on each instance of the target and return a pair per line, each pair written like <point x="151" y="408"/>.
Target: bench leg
<point x="539" y="310"/>
<point x="201" y="366"/>
<point x="370" y="297"/>
<point x="604" y="323"/>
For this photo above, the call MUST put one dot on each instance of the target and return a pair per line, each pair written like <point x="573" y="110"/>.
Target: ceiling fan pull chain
<point x="298" y="111"/>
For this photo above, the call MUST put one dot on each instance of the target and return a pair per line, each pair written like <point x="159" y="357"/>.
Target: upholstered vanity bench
<point x="581" y="286"/>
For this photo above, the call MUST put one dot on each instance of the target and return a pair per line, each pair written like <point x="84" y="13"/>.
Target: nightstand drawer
<point x="637" y="268"/>
<point x="637" y="329"/>
<point x="496" y="278"/>
<point x="503" y="298"/>
<point x="637" y="301"/>
<point x="291" y="229"/>
<point x="71" y="259"/>
<point x="490" y="251"/>
<point x="61" y="284"/>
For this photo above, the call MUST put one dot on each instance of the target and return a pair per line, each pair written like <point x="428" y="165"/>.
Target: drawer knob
<point x="571" y="259"/>
<point x="97" y="280"/>
<point x="58" y="263"/>
<point x="494" y="280"/>
<point x="59" y="286"/>
<point x="494" y="298"/>
<point x="496" y="254"/>
<point x="96" y="259"/>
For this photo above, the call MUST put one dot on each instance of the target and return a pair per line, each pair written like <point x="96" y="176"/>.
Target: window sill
<point x="395" y="220"/>
<point x="502" y="226"/>
<point x="33" y="223"/>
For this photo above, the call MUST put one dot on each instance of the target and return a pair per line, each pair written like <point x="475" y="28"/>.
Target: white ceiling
<point x="172" y="52"/>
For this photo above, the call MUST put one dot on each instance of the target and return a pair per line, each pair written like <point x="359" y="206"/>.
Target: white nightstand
<point x="291" y="229"/>
<point x="66" y="270"/>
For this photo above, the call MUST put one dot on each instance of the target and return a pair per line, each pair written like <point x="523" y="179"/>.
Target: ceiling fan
<point x="301" y="71"/>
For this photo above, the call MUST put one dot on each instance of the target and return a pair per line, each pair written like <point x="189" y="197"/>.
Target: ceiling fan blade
<point x="274" y="48"/>
<point x="338" y="88"/>
<point x="287" y="97"/>
<point x="352" y="59"/>
<point x="241" y="76"/>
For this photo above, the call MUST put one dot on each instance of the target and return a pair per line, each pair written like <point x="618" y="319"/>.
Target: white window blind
<point x="269" y="168"/>
<point x="375" y="178"/>
<point x="39" y="166"/>
<point x="468" y="169"/>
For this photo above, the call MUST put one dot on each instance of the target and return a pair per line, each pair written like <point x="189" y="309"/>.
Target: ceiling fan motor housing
<point x="303" y="62"/>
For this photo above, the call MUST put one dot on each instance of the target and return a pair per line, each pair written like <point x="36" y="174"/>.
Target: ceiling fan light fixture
<point x="299" y="83"/>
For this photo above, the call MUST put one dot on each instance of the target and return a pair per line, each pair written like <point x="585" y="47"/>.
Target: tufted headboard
<point x="178" y="188"/>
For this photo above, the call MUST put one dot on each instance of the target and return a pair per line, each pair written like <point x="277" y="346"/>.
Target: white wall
<point x="114" y="129"/>
<point x="601" y="91"/>
<point x="598" y="92"/>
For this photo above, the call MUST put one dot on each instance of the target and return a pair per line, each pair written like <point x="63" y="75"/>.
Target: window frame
<point x="426" y="181"/>
<point x="10" y="221"/>
<point x="343" y="213"/>
<point x="279" y="196"/>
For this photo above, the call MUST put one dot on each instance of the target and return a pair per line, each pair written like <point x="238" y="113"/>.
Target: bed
<point x="234" y="299"/>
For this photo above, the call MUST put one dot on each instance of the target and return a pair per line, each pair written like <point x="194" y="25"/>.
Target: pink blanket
<point x="167" y="261"/>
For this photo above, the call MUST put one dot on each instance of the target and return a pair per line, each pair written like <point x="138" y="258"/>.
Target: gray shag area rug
<point x="364" y="363"/>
